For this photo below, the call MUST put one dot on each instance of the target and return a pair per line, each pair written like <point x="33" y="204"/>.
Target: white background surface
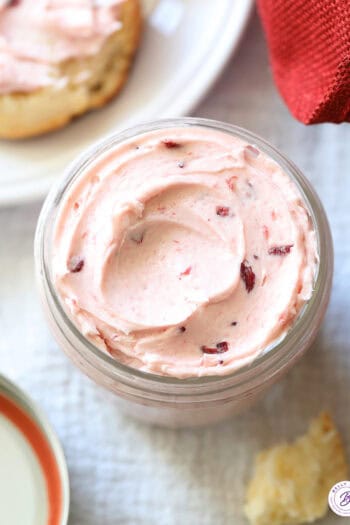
<point x="125" y="473"/>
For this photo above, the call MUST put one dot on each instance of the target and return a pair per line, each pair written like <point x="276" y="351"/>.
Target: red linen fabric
<point x="309" y="45"/>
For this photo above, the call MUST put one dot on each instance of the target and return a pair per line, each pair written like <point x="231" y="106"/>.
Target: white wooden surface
<point x="125" y="473"/>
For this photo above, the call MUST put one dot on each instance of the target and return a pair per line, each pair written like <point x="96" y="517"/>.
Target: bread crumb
<point x="292" y="481"/>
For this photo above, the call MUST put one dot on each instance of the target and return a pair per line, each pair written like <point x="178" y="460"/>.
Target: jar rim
<point x="283" y="348"/>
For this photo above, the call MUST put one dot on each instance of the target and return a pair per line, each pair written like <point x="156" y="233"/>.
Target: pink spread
<point x="184" y="252"/>
<point x="37" y="35"/>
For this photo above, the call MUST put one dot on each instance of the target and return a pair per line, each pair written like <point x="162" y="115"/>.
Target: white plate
<point x="185" y="46"/>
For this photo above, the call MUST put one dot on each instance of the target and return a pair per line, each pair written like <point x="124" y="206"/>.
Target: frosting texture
<point x="36" y="36"/>
<point x="184" y="252"/>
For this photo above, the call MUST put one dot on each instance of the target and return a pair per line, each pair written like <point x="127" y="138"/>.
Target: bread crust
<point x="25" y="115"/>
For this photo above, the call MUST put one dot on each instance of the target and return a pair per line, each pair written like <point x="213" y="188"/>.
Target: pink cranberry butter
<point x="185" y="265"/>
<point x="59" y="31"/>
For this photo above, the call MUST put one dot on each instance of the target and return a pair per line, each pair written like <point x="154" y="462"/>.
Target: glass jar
<point x="170" y="401"/>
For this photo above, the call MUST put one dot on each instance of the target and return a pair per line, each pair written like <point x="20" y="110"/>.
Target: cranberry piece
<point x="75" y="264"/>
<point x="171" y="144"/>
<point x="187" y="271"/>
<point x="223" y="211"/>
<point x="247" y="275"/>
<point x="280" y="250"/>
<point x="13" y="3"/>
<point x="182" y="328"/>
<point x="234" y="323"/>
<point x="209" y="350"/>
<point x="220" y="348"/>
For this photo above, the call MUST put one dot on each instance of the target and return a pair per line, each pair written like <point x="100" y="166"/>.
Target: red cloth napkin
<point x="309" y="44"/>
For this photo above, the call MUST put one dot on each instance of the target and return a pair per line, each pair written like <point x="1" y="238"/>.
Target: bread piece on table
<point x="292" y="481"/>
<point x="28" y="114"/>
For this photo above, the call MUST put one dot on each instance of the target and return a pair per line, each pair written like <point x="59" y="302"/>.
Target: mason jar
<point x="170" y="401"/>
